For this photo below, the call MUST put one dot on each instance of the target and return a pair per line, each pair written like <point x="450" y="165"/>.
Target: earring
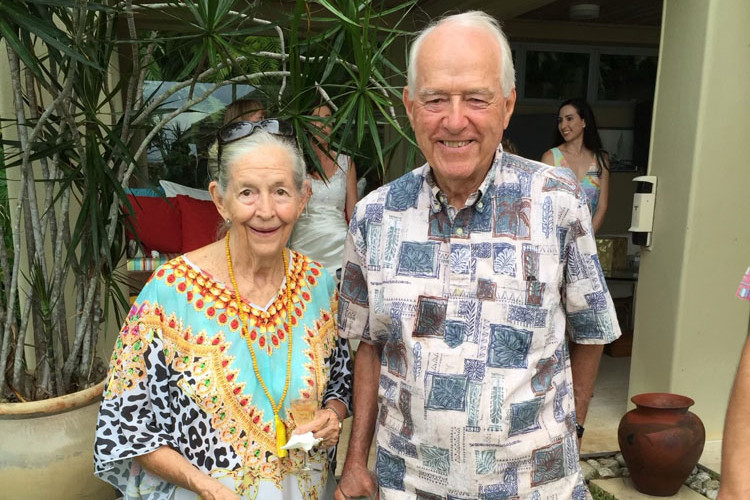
<point x="228" y="222"/>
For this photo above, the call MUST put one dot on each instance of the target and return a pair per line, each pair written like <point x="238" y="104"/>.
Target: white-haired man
<point x="459" y="278"/>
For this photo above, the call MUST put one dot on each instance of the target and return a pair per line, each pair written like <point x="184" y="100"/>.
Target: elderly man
<point x="459" y="279"/>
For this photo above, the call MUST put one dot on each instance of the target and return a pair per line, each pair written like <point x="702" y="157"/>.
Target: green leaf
<point x="336" y="12"/>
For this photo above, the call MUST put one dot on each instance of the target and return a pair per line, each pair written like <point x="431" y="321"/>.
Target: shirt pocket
<point x="518" y="302"/>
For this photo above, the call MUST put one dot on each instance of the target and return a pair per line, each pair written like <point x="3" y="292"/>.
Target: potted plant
<point x="76" y="129"/>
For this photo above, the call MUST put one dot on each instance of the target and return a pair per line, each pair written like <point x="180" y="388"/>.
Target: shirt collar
<point x="478" y="199"/>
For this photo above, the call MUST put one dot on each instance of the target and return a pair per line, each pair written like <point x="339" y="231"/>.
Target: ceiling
<point x="618" y="12"/>
<point x="622" y="12"/>
<point x="625" y="22"/>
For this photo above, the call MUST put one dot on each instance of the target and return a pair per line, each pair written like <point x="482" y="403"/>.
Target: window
<point x="178" y="153"/>
<point x="546" y="72"/>
<point x="555" y="75"/>
<point x="626" y="77"/>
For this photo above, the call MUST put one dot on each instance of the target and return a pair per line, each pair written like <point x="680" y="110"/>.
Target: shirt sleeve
<point x="590" y="313"/>
<point x="340" y="380"/>
<point x="340" y="377"/>
<point x="354" y="307"/>
<point x="133" y="419"/>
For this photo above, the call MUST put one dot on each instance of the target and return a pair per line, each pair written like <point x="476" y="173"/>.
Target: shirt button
<point x="480" y="205"/>
<point x="459" y="231"/>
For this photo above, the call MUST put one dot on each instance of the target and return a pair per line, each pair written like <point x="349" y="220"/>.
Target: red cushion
<point x="157" y="222"/>
<point x="200" y="222"/>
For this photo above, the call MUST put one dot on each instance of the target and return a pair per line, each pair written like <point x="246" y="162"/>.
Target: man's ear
<point x="408" y="104"/>
<point x="510" y="105"/>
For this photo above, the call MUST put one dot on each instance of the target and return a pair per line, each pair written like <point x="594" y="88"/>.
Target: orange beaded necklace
<point x="279" y="425"/>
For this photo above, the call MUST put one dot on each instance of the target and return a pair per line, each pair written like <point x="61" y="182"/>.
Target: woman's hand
<point x="169" y="465"/>
<point x="217" y="491"/>
<point x="325" y="426"/>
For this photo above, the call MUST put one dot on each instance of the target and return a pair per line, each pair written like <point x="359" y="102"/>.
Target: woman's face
<point x="261" y="200"/>
<point x="254" y="115"/>
<point x="569" y="123"/>
<point x="324" y="124"/>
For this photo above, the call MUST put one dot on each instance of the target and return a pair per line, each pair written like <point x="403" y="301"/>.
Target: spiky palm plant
<point x="81" y="126"/>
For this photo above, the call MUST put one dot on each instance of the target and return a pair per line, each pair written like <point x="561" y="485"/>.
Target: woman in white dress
<point x="321" y="230"/>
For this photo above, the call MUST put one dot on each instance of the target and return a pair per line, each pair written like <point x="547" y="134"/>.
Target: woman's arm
<point x="351" y="190"/>
<point x="597" y="219"/>
<point x="169" y="465"/>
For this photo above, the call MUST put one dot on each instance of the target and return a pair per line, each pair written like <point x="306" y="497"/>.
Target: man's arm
<point x="735" y="447"/>
<point x="355" y="478"/>
<point x="584" y="365"/>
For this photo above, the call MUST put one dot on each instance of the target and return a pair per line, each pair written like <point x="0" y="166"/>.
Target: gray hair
<point x="471" y="19"/>
<point x="259" y="138"/>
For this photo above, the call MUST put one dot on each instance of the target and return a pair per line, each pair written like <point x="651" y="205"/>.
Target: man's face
<point x="458" y="111"/>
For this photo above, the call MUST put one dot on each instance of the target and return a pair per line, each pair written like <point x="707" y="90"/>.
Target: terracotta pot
<point x="661" y="442"/>
<point x="47" y="448"/>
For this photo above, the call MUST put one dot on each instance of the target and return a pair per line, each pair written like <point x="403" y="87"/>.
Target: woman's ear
<point x="213" y="190"/>
<point x="306" y="194"/>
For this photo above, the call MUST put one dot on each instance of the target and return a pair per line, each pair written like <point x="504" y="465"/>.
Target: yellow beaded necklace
<point x="280" y="428"/>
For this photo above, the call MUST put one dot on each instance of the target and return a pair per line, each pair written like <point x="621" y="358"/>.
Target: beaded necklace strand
<point x="279" y="425"/>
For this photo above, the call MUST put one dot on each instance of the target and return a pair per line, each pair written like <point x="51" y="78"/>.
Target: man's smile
<point x="455" y="144"/>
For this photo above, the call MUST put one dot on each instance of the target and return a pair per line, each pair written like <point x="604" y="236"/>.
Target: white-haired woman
<point x="221" y="340"/>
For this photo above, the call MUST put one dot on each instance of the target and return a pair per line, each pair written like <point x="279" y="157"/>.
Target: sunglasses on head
<point x="239" y="130"/>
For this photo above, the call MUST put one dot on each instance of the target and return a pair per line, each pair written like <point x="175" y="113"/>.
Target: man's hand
<point x="356" y="481"/>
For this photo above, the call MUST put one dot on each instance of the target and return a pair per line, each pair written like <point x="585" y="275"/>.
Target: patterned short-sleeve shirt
<point x="470" y="307"/>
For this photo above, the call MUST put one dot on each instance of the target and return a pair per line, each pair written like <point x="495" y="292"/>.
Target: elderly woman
<point x="220" y="342"/>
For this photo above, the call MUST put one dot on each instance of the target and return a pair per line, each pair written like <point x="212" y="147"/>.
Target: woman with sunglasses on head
<point x="219" y="343"/>
<point x="321" y="230"/>
<point x="580" y="149"/>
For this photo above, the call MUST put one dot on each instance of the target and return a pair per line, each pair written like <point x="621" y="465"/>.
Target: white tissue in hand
<point x="304" y="441"/>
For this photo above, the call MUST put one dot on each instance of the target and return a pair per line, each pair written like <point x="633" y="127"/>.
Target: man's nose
<point x="456" y="116"/>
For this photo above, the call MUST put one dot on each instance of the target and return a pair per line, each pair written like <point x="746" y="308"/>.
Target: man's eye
<point x="477" y="102"/>
<point x="435" y="102"/>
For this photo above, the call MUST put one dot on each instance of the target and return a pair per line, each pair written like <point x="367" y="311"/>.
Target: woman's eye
<point x="247" y="195"/>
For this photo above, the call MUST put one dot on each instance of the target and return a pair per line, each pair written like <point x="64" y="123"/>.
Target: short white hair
<point x="471" y="19"/>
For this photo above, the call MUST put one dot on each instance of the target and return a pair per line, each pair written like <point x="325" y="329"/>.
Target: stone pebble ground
<point x="701" y="480"/>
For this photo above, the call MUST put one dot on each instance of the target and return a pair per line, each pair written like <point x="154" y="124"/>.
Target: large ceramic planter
<point x="661" y="442"/>
<point x="47" y="449"/>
